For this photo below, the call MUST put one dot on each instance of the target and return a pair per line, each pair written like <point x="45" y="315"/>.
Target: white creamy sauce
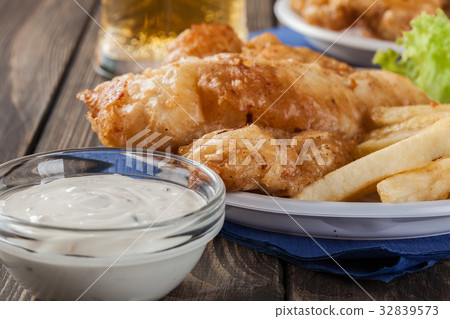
<point x="101" y="201"/>
<point x="61" y="264"/>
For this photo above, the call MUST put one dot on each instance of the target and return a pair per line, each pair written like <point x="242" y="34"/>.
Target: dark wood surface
<point x="46" y="50"/>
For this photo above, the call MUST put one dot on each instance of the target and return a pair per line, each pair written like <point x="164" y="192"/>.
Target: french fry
<point x="376" y="144"/>
<point x="361" y="176"/>
<point x="388" y="135"/>
<point x="416" y="122"/>
<point x="431" y="182"/>
<point x="383" y="115"/>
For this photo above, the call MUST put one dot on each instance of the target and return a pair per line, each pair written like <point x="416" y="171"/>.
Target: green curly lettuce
<point x="426" y="60"/>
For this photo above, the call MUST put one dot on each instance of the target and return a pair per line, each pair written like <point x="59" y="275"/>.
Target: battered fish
<point x="209" y="39"/>
<point x="193" y="96"/>
<point x="202" y="40"/>
<point x="385" y="19"/>
<point x="248" y="157"/>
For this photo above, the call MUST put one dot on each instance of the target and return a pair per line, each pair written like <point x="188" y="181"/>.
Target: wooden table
<point x="46" y="50"/>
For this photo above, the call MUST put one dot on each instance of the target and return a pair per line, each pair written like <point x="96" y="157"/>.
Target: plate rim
<point x="290" y="18"/>
<point x="363" y="210"/>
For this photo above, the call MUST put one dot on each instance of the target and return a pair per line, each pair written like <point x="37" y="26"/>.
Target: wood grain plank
<point x="260" y="14"/>
<point x="36" y="44"/>
<point x="430" y="284"/>
<point x="226" y="271"/>
<point x="67" y="126"/>
<point x="37" y="41"/>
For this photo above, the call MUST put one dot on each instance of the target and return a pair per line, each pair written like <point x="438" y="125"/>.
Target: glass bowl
<point x="128" y="263"/>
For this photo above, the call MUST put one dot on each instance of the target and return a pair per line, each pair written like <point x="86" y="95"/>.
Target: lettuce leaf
<point x="426" y="60"/>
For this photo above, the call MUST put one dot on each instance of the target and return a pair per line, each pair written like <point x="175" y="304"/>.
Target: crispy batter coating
<point x="386" y="19"/>
<point x="249" y="156"/>
<point x="209" y="39"/>
<point x="167" y="103"/>
<point x="330" y="14"/>
<point x="267" y="47"/>
<point x="228" y="91"/>
<point x="203" y="40"/>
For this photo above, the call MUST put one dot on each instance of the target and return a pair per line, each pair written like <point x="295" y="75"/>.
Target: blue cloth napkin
<point x="363" y="259"/>
<point x="285" y="35"/>
<point x="379" y="260"/>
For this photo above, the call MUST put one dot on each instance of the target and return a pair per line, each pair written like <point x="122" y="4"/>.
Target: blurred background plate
<point x="357" y="221"/>
<point x="350" y="47"/>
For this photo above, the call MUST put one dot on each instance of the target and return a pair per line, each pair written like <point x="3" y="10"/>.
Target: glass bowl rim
<point x="204" y="211"/>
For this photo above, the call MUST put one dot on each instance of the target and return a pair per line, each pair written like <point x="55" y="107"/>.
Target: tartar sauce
<point x="101" y="201"/>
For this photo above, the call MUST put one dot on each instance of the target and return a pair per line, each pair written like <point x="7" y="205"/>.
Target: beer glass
<point x="140" y="30"/>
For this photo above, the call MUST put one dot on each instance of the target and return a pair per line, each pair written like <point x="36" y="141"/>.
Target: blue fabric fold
<point x="285" y="35"/>
<point x="364" y="259"/>
<point x="378" y="260"/>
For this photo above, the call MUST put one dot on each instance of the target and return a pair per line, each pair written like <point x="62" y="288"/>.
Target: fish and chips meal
<point x="264" y="115"/>
<point x="384" y="19"/>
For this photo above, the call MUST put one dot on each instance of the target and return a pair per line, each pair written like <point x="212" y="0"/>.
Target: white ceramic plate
<point x="358" y="221"/>
<point x="350" y="47"/>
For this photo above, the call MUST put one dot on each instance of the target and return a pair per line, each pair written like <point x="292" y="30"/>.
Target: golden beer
<point x="144" y="28"/>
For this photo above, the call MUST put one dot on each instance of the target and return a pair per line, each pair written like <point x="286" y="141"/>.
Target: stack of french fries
<point x="407" y="159"/>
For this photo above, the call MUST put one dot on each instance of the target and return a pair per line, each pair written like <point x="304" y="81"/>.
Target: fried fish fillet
<point x="267" y="47"/>
<point x="249" y="157"/>
<point x="202" y="40"/>
<point x="385" y="19"/>
<point x="192" y="97"/>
